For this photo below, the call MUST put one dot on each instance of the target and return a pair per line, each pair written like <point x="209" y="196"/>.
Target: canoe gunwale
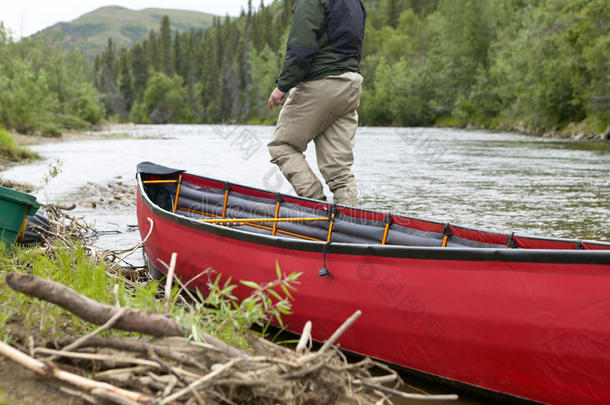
<point x="594" y="257"/>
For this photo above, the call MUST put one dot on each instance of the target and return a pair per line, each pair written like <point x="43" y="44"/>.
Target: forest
<point x="534" y="66"/>
<point x="44" y="89"/>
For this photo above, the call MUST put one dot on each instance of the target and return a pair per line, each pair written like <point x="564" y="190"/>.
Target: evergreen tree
<point x="165" y="45"/>
<point x="178" y="55"/>
<point x="139" y="70"/>
<point x="393" y="13"/>
<point x="153" y="51"/>
<point x="125" y="83"/>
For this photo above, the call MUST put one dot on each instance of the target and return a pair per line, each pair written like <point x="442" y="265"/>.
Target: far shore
<point x="68" y="136"/>
<point x="572" y="132"/>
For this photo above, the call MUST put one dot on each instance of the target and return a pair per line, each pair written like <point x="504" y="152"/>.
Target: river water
<point x="497" y="181"/>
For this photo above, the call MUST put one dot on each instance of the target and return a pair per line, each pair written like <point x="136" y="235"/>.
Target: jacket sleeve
<point x="307" y="20"/>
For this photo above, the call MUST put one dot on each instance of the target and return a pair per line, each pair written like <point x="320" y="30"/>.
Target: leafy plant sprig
<point x="221" y="314"/>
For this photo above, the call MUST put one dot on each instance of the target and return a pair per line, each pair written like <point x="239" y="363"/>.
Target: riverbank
<point x="574" y="131"/>
<point x="15" y="147"/>
<point x="191" y="339"/>
<point x="12" y="151"/>
<point x="578" y="132"/>
<point x="104" y="131"/>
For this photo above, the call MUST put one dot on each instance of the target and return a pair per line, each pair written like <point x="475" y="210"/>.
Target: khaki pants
<point x="323" y="111"/>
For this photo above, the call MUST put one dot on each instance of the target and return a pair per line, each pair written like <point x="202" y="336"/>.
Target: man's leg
<point x="309" y="109"/>
<point x="334" y="151"/>
<point x="334" y="147"/>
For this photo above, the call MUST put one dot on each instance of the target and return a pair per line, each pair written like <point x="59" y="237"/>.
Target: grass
<point x="72" y="267"/>
<point x="117" y="135"/>
<point x="11" y="151"/>
<point x="4" y="400"/>
<point x="219" y="313"/>
<point x="449" y="121"/>
<point x="262" y="121"/>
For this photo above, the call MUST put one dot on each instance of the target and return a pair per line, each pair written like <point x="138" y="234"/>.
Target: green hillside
<point x="90" y="32"/>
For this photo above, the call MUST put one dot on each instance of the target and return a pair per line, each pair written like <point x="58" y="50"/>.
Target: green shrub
<point x="10" y="151"/>
<point x="50" y="131"/>
<point x="164" y="100"/>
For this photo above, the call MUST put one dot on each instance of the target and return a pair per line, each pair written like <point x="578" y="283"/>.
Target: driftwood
<point x="133" y="320"/>
<point x="305" y="338"/>
<point x="147" y="322"/>
<point x="168" y="348"/>
<point x="48" y="369"/>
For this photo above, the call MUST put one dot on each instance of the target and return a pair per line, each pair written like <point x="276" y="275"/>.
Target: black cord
<point x="323" y="272"/>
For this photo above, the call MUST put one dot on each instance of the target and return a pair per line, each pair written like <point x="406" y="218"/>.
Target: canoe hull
<point x="534" y="329"/>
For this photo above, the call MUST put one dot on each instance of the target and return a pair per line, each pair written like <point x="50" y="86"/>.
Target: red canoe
<point x="517" y="315"/>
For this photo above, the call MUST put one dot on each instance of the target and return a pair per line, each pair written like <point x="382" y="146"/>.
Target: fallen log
<point x="133" y="320"/>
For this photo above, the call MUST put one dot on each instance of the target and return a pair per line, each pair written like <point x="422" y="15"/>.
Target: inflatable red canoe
<point x="523" y="316"/>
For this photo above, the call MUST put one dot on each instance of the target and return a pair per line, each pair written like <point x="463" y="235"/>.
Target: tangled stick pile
<point x="64" y="227"/>
<point x="24" y="187"/>
<point x="174" y="370"/>
<point x="71" y="230"/>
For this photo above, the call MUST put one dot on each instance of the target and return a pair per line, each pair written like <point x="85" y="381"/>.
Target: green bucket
<point x="14" y="206"/>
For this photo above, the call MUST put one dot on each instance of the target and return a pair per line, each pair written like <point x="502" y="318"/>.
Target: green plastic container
<point x="14" y="206"/>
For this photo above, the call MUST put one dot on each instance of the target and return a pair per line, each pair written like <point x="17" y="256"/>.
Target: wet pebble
<point x="115" y="195"/>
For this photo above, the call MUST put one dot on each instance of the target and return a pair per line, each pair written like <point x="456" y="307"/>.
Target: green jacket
<point x="325" y="39"/>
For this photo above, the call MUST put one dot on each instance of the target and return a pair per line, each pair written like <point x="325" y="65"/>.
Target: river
<point x="497" y="181"/>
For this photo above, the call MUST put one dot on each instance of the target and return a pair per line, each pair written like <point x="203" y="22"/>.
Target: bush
<point x="164" y="100"/>
<point x="25" y="99"/>
<point x="10" y="151"/>
<point x="50" y="131"/>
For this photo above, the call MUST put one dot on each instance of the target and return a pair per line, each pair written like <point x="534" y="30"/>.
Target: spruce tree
<point x="393" y="13"/>
<point x="139" y="70"/>
<point x="125" y="83"/>
<point x="165" y="45"/>
<point x="153" y="54"/>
